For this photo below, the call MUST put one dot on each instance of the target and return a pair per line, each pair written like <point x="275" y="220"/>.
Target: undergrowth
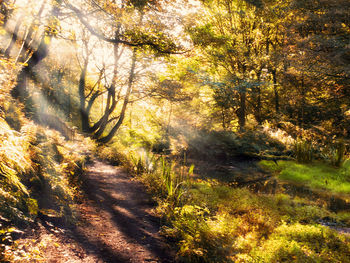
<point x="212" y="222"/>
<point x="39" y="170"/>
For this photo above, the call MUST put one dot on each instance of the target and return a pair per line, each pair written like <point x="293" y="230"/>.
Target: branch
<point x="97" y="83"/>
<point x="93" y="31"/>
<point x="92" y="100"/>
<point x="113" y="119"/>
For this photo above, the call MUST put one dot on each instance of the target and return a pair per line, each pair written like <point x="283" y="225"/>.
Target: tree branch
<point x="94" y="32"/>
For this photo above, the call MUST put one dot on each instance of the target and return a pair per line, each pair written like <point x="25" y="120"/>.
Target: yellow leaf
<point x="47" y="40"/>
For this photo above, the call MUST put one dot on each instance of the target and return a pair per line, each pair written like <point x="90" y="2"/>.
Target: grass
<point x="303" y="243"/>
<point x="223" y="224"/>
<point x="213" y="222"/>
<point x="315" y="175"/>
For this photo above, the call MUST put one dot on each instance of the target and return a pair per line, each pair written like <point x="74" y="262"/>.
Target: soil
<point x="116" y="224"/>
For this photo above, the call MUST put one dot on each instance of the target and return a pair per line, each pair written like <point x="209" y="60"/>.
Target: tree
<point x="20" y="91"/>
<point x="239" y="40"/>
<point x="318" y="61"/>
<point x="139" y="35"/>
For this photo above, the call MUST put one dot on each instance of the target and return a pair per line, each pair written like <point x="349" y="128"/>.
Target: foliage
<point x="277" y="71"/>
<point x="214" y="227"/>
<point x="166" y="177"/>
<point x="39" y="170"/>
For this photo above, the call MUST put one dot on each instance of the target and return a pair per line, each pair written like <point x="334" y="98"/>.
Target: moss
<point x="316" y="175"/>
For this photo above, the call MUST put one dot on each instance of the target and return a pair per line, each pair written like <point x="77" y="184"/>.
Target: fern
<point x="11" y="175"/>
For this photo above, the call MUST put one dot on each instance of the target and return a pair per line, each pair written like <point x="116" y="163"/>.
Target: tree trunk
<point x="26" y="43"/>
<point x="275" y="89"/>
<point x="223" y="118"/>
<point x="258" y="103"/>
<point x="13" y="39"/>
<point x="99" y="127"/>
<point x="302" y="104"/>
<point x="20" y="90"/>
<point x="258" y="107"/>
<point x="126" y="101"/>
<point x="241" y="113"/>
<point x="85" y="125"/>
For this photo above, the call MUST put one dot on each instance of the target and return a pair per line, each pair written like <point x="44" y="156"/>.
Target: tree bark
<point x="85" y="125"/>
<point x="111" y="104"/>
<point x="20" y="90"/>
<point x="26" y="43"/>
<point x="258" y="107"/>
<point x="275" y="89"/>
<point x="242" y="109"/>
<point x="126" y="101"/>
<point x="258" y="104"/>
<point x="14" y="39"/>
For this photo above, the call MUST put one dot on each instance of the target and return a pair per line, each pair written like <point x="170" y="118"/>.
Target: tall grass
<point x="304" y="151"/>
<point x="176" y="181"/>
<point x="168" y="177"/>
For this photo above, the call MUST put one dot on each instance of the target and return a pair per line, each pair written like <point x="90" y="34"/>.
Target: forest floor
<point x="115" y="224"/>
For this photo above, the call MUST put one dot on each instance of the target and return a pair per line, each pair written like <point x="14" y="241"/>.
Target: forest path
<point x="116" y="223"/>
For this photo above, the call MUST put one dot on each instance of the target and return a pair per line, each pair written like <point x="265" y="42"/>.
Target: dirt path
<point x="116" y="224"/>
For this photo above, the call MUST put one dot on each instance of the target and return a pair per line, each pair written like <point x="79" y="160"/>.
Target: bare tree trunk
<point x="258" y="104"/>
<point x="241" y="113"/>
<point x="111" y="104"/>
<point x="275" y="89"/>
<point x="20" y="90"/>
<point x="302" y="103"/>
<point x="13" y="39"/>
<point x="26" y="43"/>
<point x="85" y="125"/>
<point x="126" y="101"/>
<point x="258" y="107"/>
<point x="223" y="118"/>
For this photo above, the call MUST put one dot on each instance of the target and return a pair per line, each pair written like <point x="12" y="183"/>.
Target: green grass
<point x="316" y="175"/>
<point x="303" y="243"/>
<point x="213" y="222"/>
<point x="224" y="224"/>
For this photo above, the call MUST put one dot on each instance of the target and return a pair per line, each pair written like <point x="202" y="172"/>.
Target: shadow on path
<point x="116" y="223"/>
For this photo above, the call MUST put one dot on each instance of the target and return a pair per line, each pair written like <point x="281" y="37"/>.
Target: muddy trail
<point x="115" y="224"/>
